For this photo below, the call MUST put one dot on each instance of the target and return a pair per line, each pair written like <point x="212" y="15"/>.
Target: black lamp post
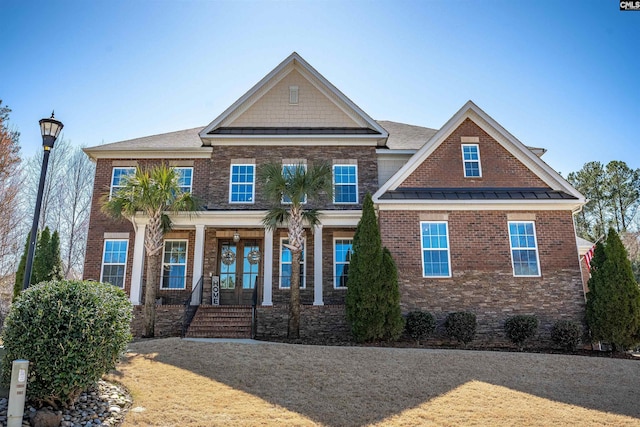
<point x="50" y="129"/>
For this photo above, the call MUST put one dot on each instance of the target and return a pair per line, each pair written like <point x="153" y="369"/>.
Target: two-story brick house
<point x="474" y="219"/>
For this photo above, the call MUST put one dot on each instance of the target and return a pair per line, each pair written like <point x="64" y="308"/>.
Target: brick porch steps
<point x="225" y="321"/>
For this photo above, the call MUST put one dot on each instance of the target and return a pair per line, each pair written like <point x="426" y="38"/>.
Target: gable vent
<point x="293" y="95"/>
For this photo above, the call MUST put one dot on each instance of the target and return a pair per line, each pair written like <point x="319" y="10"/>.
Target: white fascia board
<point x="239" y="218"/>
<point x="150" y="153"/>
<point x="477" y="205"/>
<point x="496" y="131"/>
<point x="296" y="140"/>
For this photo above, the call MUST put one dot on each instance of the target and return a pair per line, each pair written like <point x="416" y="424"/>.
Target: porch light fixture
<point x="236" y="236"/>
<point x="50" y="129"/>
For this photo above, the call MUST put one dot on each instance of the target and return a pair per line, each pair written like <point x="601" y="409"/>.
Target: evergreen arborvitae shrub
<point x="461" y="326"/>
<point x="420" y="325"/>
<point x="566" y="334"/>
<point x="520" y="328"/>
<point x="72" y="333"/>
<point x="390" y="298"/>
<point x="613" y="300"/>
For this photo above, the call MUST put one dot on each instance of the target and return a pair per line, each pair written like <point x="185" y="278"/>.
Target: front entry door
<point x="239" y="268"/>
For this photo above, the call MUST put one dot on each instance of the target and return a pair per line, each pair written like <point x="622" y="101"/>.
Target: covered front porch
<point x="229" y="258"/>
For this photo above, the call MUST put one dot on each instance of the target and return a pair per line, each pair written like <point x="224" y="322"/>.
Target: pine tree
<point x="613" y="301"/>
<point x="373" y="297"/>
<point x="55" y="260"/>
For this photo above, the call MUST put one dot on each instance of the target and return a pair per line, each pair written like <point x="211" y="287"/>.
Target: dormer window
<point x="293" y="95"/>
<point x="471" y="160"/>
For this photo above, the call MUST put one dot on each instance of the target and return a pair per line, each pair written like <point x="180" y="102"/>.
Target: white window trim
<point x="113" y="175"/>
<point x="334" y="185"/>
<point x="253" y="184"/>
<point x="186" y="264"/>
<point x="422" y="249"/>
<point x="104" y="248"/>
<point x="186" y="167"/>
<point x="464" y="161"/>
<point x="335" y="264"/>
<point x="295" y="165"/>
<point x="304" y="265"/>
<point x="535" y="239"/>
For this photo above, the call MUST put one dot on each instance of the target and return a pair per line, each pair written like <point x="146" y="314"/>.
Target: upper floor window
<point x="524" y="248"/>
<point x="471" y="160"/>
<point x="288" y="171"/>
<point x="242" y="186"/>
<point x="435" y="249"/>
<point x="114" y="262"/>
<point x="342" y="250"/>
<point x="285" y="265"/>
<point x="118" y="178"/>
<point x="174" y="265"/>
<point x="185" y="178"/>
<point x="345" y="184"/>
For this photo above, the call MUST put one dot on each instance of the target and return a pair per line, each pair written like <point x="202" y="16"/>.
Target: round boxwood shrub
<point x="461" y="326"/>
<point x="520" y="328"/>
<point x="420" y="324"/>
<point x="566" y="334"/>
<point x="72" y="333"/>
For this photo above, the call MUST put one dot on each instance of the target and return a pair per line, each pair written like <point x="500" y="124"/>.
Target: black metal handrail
<point x="189" y="310"/>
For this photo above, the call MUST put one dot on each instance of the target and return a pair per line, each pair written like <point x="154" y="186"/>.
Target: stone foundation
<point x="326" y="323"/>
<point x="168" y="321"/>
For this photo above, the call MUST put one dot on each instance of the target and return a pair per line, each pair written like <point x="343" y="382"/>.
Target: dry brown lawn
<point x="185" y="383"/>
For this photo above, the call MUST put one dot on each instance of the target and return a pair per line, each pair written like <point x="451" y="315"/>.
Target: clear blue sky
<point x="564" y="75"/>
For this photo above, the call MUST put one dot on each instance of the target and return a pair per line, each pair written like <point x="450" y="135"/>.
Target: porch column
<point x="198" y="263"/>
<point x="138" y="262"/>
<point x="267" y="283"/>
<point x="317" y="265"/>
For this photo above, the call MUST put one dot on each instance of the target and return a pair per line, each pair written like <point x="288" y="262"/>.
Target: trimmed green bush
<point x="520" y="328"/>
<point x="420" y="324"/>
<point x="72" y="332"/>
<point x="461" y="326"/>
<point x="566" y="334"/>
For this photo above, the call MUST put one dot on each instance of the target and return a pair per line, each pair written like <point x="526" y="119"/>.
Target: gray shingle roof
<point x="187" y="138"/>
<point x="406" y="137"/>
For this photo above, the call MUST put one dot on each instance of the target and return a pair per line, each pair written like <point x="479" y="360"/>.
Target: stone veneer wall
<point x="326" y="322"/>
<point x="168" y="321"/>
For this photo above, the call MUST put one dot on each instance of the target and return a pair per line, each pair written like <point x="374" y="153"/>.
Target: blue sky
<point x="559" y="75"/>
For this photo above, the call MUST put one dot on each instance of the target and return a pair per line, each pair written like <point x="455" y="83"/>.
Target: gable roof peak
<point x="294" y="62"/>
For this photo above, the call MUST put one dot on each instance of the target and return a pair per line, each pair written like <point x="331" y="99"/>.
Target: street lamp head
<point x="50" y="129"/>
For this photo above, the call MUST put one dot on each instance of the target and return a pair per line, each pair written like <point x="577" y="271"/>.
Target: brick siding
<point x="444" y="168"/>
<point x="482" y="279"/>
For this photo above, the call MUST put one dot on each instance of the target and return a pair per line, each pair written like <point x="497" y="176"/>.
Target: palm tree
<point x="156" y="193"/>
<point x="287" y="188"/>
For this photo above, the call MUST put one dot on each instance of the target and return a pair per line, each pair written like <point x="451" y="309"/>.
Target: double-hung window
<point x="524" y="248"/>
<point x="185" y="178"/>
<point x="285" y="265"/>
<point x="114" y="262"/>
<point x="242" y="185"/>
<point x="345" y="184"/>
<point x="290" y="171"/>
<point x="118" y="178"/>
<point x="342" y="250"/>
<point x="471" y="160"/>
<point x="174" y="265"/>
<point x="436" y="260"/>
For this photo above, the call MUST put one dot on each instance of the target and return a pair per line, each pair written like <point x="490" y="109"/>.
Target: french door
<point x="239" y="271"/>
